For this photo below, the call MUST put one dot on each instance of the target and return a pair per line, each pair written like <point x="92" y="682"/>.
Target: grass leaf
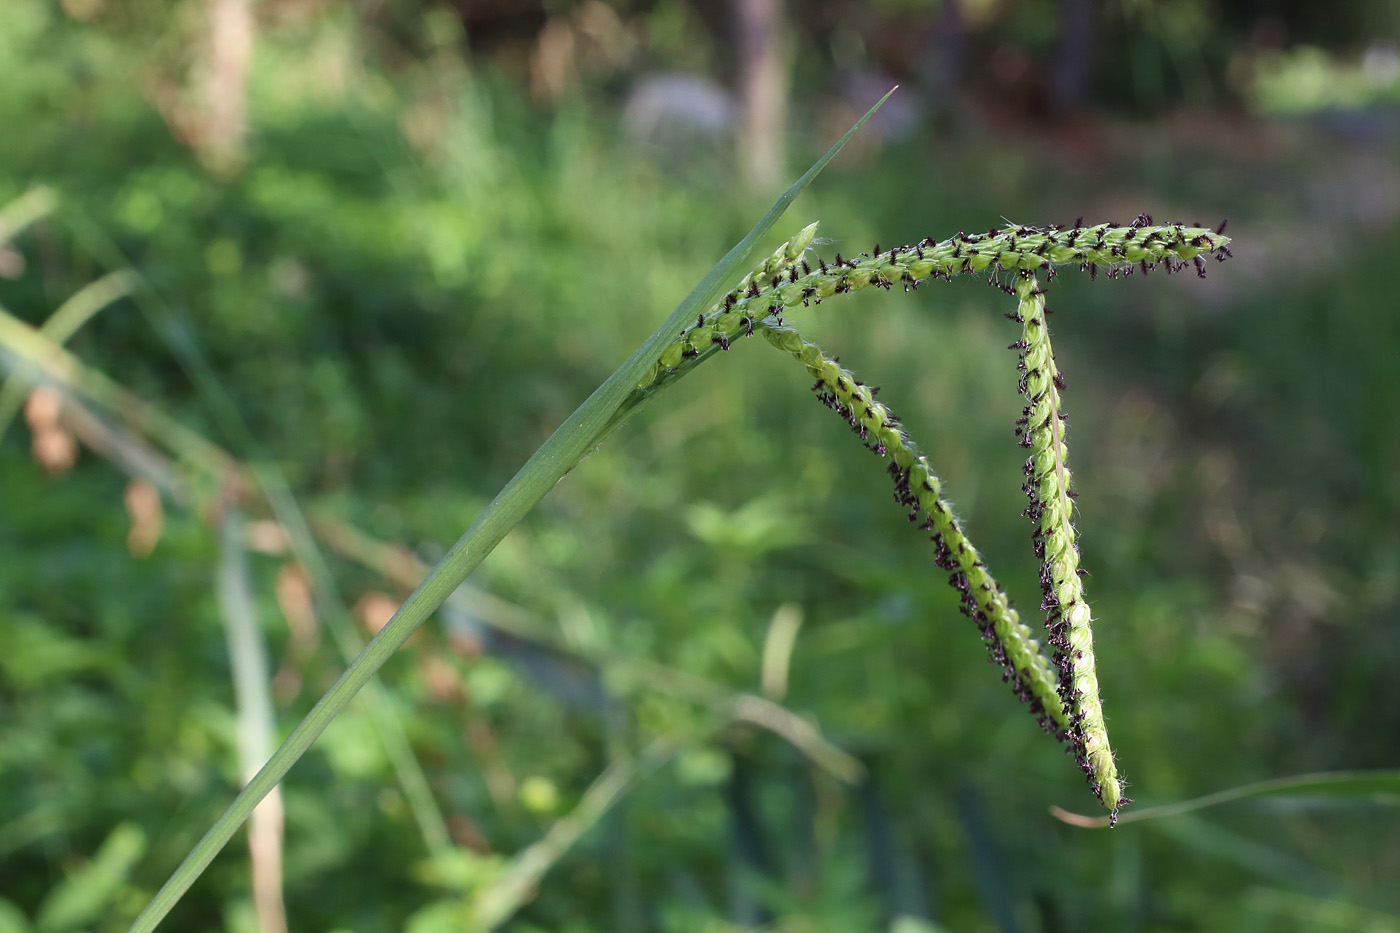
<point x="579" y="433"/>
<point x="1379" y="787"/>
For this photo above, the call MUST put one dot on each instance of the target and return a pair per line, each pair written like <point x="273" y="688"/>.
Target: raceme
<point x="1061" y="689"/>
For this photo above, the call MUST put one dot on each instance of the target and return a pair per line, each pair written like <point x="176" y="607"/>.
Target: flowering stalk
<point x="786" y="279"/>
<point x="1042" y="427"/>
<point x="702" y="338"/>
<point x="917" y="488"/>
<point x="1062" y="692"/>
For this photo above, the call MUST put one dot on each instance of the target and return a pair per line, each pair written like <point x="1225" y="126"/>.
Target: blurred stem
<point x="226" y="93"/>
<point x="330" y="604"/>
<point x="499" y="900"/>
<point x="1381" y="788"/>
<point x="24" y="210"/>
<point x="62" y="367"/>
<point x="256" y="723"/>
<point x="753" y="709"/>
<point x="579" y="433"/>
<point x="64" y="323"/>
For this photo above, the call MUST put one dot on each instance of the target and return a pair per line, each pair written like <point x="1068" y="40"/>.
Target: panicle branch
<point x="787" y="279"/>
<point x="1042" y="429"/>
<point x="916" y="488"/>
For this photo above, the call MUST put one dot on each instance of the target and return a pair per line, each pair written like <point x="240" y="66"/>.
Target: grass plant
<point x="580" y="433"/>
<point x="1058" y="686"/>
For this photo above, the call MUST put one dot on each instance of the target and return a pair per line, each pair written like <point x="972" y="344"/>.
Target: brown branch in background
<point x="226" y="88"/>
<point x="762" y="92"/>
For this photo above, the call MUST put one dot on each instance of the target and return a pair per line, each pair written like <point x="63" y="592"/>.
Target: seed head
<point x="1053" y="536"/>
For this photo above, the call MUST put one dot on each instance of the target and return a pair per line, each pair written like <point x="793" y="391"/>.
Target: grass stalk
<point x="918" y="489"/>
<point x="579" y="433"/>
<point x="327" y="599"/>
<point x="1048" y="486"/>
<point x="252" y="689"/>
<point x="64" y="323"/>
<point x="399" y="565"/>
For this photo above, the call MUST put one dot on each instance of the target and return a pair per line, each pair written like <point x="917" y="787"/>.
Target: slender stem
<point x="1378" y="788"/>
<point x="579" y="433"/>
<point x="252" y="691"/>
<point x="495" y="903"/>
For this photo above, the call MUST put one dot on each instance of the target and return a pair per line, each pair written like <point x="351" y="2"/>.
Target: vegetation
<point x="712" y="682"/>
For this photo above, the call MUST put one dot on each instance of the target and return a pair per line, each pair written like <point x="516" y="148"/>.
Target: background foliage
<point x="445" y="225"/>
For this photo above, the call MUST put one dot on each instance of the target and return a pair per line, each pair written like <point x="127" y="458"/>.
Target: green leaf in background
<point x="87" y="894"/>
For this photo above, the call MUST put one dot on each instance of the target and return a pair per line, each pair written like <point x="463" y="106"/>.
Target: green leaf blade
<point x="579" y="433"/>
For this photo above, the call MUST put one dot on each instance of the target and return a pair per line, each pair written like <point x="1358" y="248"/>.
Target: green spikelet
<point x="918" y="489"/>
<point x="1048" y="487"/>
<point x="732" y="315"/>
<point x="1063" y="693"/>
<point x="785" y="279"/>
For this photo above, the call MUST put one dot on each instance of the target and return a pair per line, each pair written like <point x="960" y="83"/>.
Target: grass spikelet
<point x="1051" y="511"/>
<point x="733" y="315"/>
<point x="1009" y="641"/>
<point x="783" y="280"/>
<point x="1062" y="692"/>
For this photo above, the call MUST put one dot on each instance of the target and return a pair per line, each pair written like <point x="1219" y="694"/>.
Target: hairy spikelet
<point x="1009" y="641"/>
<point x="1048" y="486"/>
<point x="785" y="279"/>
<point x="1062" y="691"/>
<point x="720" y="325"/>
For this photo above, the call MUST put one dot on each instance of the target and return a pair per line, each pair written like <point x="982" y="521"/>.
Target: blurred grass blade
<point x="1375" y="787"/>
<point x="24" y="210"/>
<point x="64" y="323"/>
<point x="252" y="690"/>
<point x="520" y="878"/>
<point x="579" y="433"/>
<point x="86" y="896"/>
<point x="27" y="344"/>
<point x="329" y="603"/>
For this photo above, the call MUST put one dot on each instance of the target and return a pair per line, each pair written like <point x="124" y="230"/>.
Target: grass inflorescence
<point x="1042" y="428"/>
<point x="918" y="489"/>
<point x="786" y="280"/>
<point x="1061" y="689"/>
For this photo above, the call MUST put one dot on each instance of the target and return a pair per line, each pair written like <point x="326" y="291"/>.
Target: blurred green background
<point x="381" y="249"/>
